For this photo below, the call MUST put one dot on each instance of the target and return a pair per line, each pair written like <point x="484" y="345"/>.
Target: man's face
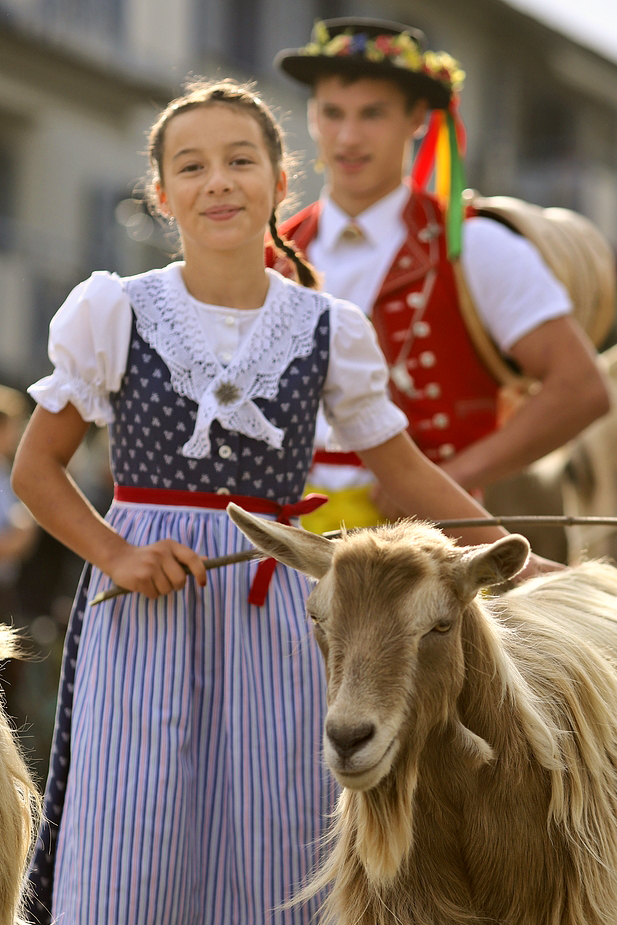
<point x="362" y="130"/>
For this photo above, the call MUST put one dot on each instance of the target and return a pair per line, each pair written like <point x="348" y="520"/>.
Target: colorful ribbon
<point x="441" y="152"/>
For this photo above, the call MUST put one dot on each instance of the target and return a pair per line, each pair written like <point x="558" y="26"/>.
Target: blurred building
<point x="81" y="80"/>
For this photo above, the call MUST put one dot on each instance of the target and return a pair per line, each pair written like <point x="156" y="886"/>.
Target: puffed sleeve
<point x="88" y="344"/>
<point x="355" y="396"/>
<point x="513" y="289"/>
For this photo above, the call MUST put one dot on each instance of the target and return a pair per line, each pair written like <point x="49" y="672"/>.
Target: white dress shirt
<point x="358" y="267"/>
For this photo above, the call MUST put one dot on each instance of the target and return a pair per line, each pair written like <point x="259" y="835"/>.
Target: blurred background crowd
<point x="81" y="81"/>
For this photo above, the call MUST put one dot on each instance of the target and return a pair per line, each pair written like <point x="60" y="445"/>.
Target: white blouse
<point x="89" y="342"/>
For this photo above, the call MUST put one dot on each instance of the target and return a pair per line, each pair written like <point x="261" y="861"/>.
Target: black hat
<point x="374" y="46"/>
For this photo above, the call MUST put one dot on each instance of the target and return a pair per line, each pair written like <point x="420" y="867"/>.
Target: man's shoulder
<point x="307" y="217"/>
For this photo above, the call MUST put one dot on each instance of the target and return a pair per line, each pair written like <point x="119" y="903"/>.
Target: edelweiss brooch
<point x="227" y="393"/>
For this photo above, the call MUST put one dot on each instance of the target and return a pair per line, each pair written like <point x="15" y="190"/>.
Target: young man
<point x="384" y="248"/>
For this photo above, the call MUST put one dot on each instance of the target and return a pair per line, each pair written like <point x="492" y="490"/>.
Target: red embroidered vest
<point x="436" y="375"/>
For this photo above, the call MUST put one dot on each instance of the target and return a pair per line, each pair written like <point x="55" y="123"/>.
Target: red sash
<point x="219" y="502"/>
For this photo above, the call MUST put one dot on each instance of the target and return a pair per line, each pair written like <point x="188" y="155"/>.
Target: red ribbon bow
<point x="265" y="569"/>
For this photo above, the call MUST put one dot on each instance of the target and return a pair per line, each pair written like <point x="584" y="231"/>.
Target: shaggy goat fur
<point x="588" y="479"/>
<point x="19" y="807"/>
<point x="496" y="801"/>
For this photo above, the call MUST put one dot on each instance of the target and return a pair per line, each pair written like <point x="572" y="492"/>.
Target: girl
<point x="186" y="785"/>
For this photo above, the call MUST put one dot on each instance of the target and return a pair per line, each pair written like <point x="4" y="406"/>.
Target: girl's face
<point x="217" y="179"/>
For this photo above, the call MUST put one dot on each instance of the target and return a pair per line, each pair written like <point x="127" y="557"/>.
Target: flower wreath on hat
<point x="399" y="50"/>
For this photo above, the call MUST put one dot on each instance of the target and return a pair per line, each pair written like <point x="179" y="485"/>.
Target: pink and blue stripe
<point x="196" y="792"/>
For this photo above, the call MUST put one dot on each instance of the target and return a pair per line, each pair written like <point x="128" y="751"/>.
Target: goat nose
<point x="349" y="739"/>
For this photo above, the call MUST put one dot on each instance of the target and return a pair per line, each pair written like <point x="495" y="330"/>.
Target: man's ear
<point x="417" y="117"/>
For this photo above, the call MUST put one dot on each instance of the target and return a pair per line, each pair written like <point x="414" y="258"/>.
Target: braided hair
<point x="304" y="270"/>
<point x="201" y="92"/>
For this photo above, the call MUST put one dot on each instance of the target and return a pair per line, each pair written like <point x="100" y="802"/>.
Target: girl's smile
<point x="221" y="213"/>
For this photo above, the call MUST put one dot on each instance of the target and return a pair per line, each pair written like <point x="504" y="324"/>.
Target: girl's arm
<point x="41" y="480"/>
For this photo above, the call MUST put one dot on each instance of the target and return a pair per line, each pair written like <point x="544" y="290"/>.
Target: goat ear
<point x="494" y="564"/>
<point x="304" y="551"/>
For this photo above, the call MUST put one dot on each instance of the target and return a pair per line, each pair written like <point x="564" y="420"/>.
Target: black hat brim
<point x="308" y="68"/>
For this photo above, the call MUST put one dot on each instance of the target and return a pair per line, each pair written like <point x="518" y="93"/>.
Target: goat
<point x="19" y="806"/>
<point x="576" y="480"/>
<point x="474" y="736"/>
<point x="589" y="476"/>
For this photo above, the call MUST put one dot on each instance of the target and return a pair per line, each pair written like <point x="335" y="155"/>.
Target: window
<point x="242" y="33"/>
<point x="548" y="128"/>
<point x="12" y="139"/>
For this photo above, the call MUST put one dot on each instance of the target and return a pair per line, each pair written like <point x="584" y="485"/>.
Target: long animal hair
<point x="542" y="700"/>
<point x="500" y="803"/>
<point x="19" y="807"/>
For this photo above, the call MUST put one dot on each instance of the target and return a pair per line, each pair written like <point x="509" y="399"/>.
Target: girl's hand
<point x="157" y="569"/>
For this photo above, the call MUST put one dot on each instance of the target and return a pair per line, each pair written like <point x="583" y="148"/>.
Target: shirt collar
<point x="378" y="222"/>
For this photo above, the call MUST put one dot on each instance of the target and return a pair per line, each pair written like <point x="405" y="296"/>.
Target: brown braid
<point x="305" y="271"/>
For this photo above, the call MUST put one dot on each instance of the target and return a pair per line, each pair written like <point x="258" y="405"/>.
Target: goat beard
<point x="383" y="817"/>
<point x="382" y="820"/>
<point x="384" y="827"/>
<point x="371" y="836"/>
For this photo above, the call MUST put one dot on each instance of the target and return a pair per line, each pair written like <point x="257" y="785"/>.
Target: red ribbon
<point x="336" y="458"/>
<point x="425" y="158"/>
<point x="265" y="569"/>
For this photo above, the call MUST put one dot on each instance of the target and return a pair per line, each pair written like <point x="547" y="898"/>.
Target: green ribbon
<point x="454" y="216"/>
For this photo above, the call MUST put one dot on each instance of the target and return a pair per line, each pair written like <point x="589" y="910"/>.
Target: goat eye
<point x="444" y="627"/>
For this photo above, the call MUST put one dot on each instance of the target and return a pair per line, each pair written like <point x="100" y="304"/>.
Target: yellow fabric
<point x="443" y="163"/>
<point x="352" y="506"/>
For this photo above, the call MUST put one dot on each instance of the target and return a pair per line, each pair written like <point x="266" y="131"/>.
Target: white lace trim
<point x="91" y="399"/>
<point x="166" y="319"/>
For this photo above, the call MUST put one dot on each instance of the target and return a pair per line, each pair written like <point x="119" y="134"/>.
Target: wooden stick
<point x="539" y="520"/>
<point x="214" y="562"/>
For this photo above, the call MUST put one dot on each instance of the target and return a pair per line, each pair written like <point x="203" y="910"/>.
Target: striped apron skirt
<point x="186" y="783"/>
